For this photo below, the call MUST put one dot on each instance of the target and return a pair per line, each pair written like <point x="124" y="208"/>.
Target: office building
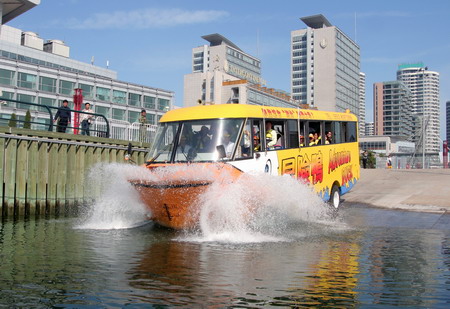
<point x="325" y="66"/>
<point x="362" y="104"/>
<point x="424" y="87"/>
<point x="392" y="110"/>
<point x="222" y="73"/>
<point x="37" y="71"/>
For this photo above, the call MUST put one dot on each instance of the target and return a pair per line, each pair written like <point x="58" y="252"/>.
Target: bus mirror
<point x="221" y="151"/>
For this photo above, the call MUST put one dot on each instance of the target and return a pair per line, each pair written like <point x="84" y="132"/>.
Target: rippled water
<point x="48" y="263"/>
<point x="292" y="252"/>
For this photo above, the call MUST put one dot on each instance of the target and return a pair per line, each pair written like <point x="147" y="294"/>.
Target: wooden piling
<point x="44" y="173"/>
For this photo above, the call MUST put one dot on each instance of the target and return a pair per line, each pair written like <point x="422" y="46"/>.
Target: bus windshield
<point x="198" y="140"/>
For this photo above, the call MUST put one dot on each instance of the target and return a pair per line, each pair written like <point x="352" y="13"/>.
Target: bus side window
<point x="304" y="141"/>
<point x="338" y="136"/>
<point x="314" y="133"/>
<point x="292" y="126"/>
<point x="329" y="138"/>
<point x="258" y="145"/>
<point x="245" y="144"/>
<point x="351" y="132"/>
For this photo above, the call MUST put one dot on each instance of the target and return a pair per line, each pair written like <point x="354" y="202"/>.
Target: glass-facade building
<point x="32" y="73"/>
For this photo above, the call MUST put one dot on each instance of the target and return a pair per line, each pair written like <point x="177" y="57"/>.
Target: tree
<point x="27" y="122"/>
<point x="371" y="159"/>
<point x="12" y="121"/>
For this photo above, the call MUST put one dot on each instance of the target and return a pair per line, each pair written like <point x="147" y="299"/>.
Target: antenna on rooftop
<point x="92" y="60"/>
<point x="355" y="27"/>
<point x="107" y="64"/>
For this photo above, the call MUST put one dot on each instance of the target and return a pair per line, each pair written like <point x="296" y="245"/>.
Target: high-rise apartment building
<point x="325" y="66"/>
<point x="39" y="72"/>
<point x="424" y="87"/>
<point x="448" y="121"/>
<point x="222" y="73"/>
<point x="369" y="129"/>
<point x="392" y="110"/>
<point x="362" y="103"/>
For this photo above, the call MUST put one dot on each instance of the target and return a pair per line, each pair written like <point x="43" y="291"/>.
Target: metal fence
<point x="42" y="119"/>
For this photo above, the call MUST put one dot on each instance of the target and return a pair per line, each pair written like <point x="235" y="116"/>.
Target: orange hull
<point x="174" y="201"/>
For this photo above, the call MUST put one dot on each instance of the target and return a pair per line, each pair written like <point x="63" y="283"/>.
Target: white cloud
<point x="146" y="18"/>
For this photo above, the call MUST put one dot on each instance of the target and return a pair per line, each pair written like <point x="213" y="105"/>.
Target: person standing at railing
<point x="63" y="117"/>
<point x="86" y="119"/>
<point x="143" y="126"/>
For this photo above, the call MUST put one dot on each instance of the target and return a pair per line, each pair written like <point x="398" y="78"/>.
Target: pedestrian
<point x="86" y="119"/>
<point x="143" y="126"/>
<point x="389" y="162"/>
<point x="365" y="157"/>
<point x="63" y="117"/>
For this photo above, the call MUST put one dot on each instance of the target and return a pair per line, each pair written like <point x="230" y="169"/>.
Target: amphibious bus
<point x="316" y="147"/>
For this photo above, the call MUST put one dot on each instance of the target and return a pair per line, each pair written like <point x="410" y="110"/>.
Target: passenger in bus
<point x="328" y="137"/>
<point x="312" y="142"/>
<point x="302" y="141"/>
<point x="256" y="143"/>
<point x="317" y="138"/>
<point x="271" y="136"/>
<point x="246" y="144"/>
<point x="227" y="143"/>
<point x="202" y="141"/>
<point x="183" y="147"/>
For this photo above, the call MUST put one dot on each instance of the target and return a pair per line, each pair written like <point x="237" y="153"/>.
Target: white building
<point x="222" y="73"/>
<point x="325" y="66"/>
<point x="424" y="86"/>
<point x="37" y="71"/>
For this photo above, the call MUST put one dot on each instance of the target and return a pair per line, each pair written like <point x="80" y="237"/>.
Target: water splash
<point x="116" y="204"/>
<point x="255" y="208"/>
<point x="261" y="208"/>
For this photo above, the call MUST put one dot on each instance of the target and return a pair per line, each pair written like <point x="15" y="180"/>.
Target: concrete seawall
<point x="416" y="190"/>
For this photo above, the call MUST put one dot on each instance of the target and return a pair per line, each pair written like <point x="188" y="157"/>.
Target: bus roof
<point x="251" y="111"/>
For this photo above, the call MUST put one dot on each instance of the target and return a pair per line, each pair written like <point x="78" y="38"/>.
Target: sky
<point x="150" y="42"/>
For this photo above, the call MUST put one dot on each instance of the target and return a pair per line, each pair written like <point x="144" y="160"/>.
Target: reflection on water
<point x="48" y="263"/>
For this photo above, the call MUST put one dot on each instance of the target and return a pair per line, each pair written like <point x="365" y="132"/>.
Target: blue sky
<point x="150" y="42"/>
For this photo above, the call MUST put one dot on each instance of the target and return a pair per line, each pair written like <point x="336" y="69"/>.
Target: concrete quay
<point x="425" y="190"/>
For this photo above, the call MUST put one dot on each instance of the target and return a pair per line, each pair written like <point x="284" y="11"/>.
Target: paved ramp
<point x="418" y="190"/>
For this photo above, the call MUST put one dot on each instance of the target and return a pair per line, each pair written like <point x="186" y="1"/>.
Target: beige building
<point x="222" y="73"/>
<point x="325" y="66"/>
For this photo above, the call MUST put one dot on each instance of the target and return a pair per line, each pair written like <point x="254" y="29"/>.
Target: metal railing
<point x="15" y="105"/>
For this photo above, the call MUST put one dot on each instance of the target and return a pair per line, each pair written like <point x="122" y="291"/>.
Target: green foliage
<point x="371" y="159"/>
<point x="27" y="123"/>
<point x="13" y="121"/>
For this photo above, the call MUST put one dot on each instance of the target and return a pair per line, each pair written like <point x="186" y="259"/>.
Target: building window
<point x="118" y="114"/>
<point x="26" y="98"/>
<point x="134" y="99"/>
<point x="66" y="87"/>
<point x="133" y="116"/>
<point x="88" y="91"/>
<point x="102" y="110"/>
<point x="7" y="77"/>
<point x="151" y="118"/>
<point x="119" y="97"/>
<point x="26" y="81"/>
<point x="103" y="94"/>
<point x="149" y="102"/>
<point x="47" y="84"/>
<point x="7" y="95"/>
<point x="162" y="104"/>
<point x="48" y="102"/>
